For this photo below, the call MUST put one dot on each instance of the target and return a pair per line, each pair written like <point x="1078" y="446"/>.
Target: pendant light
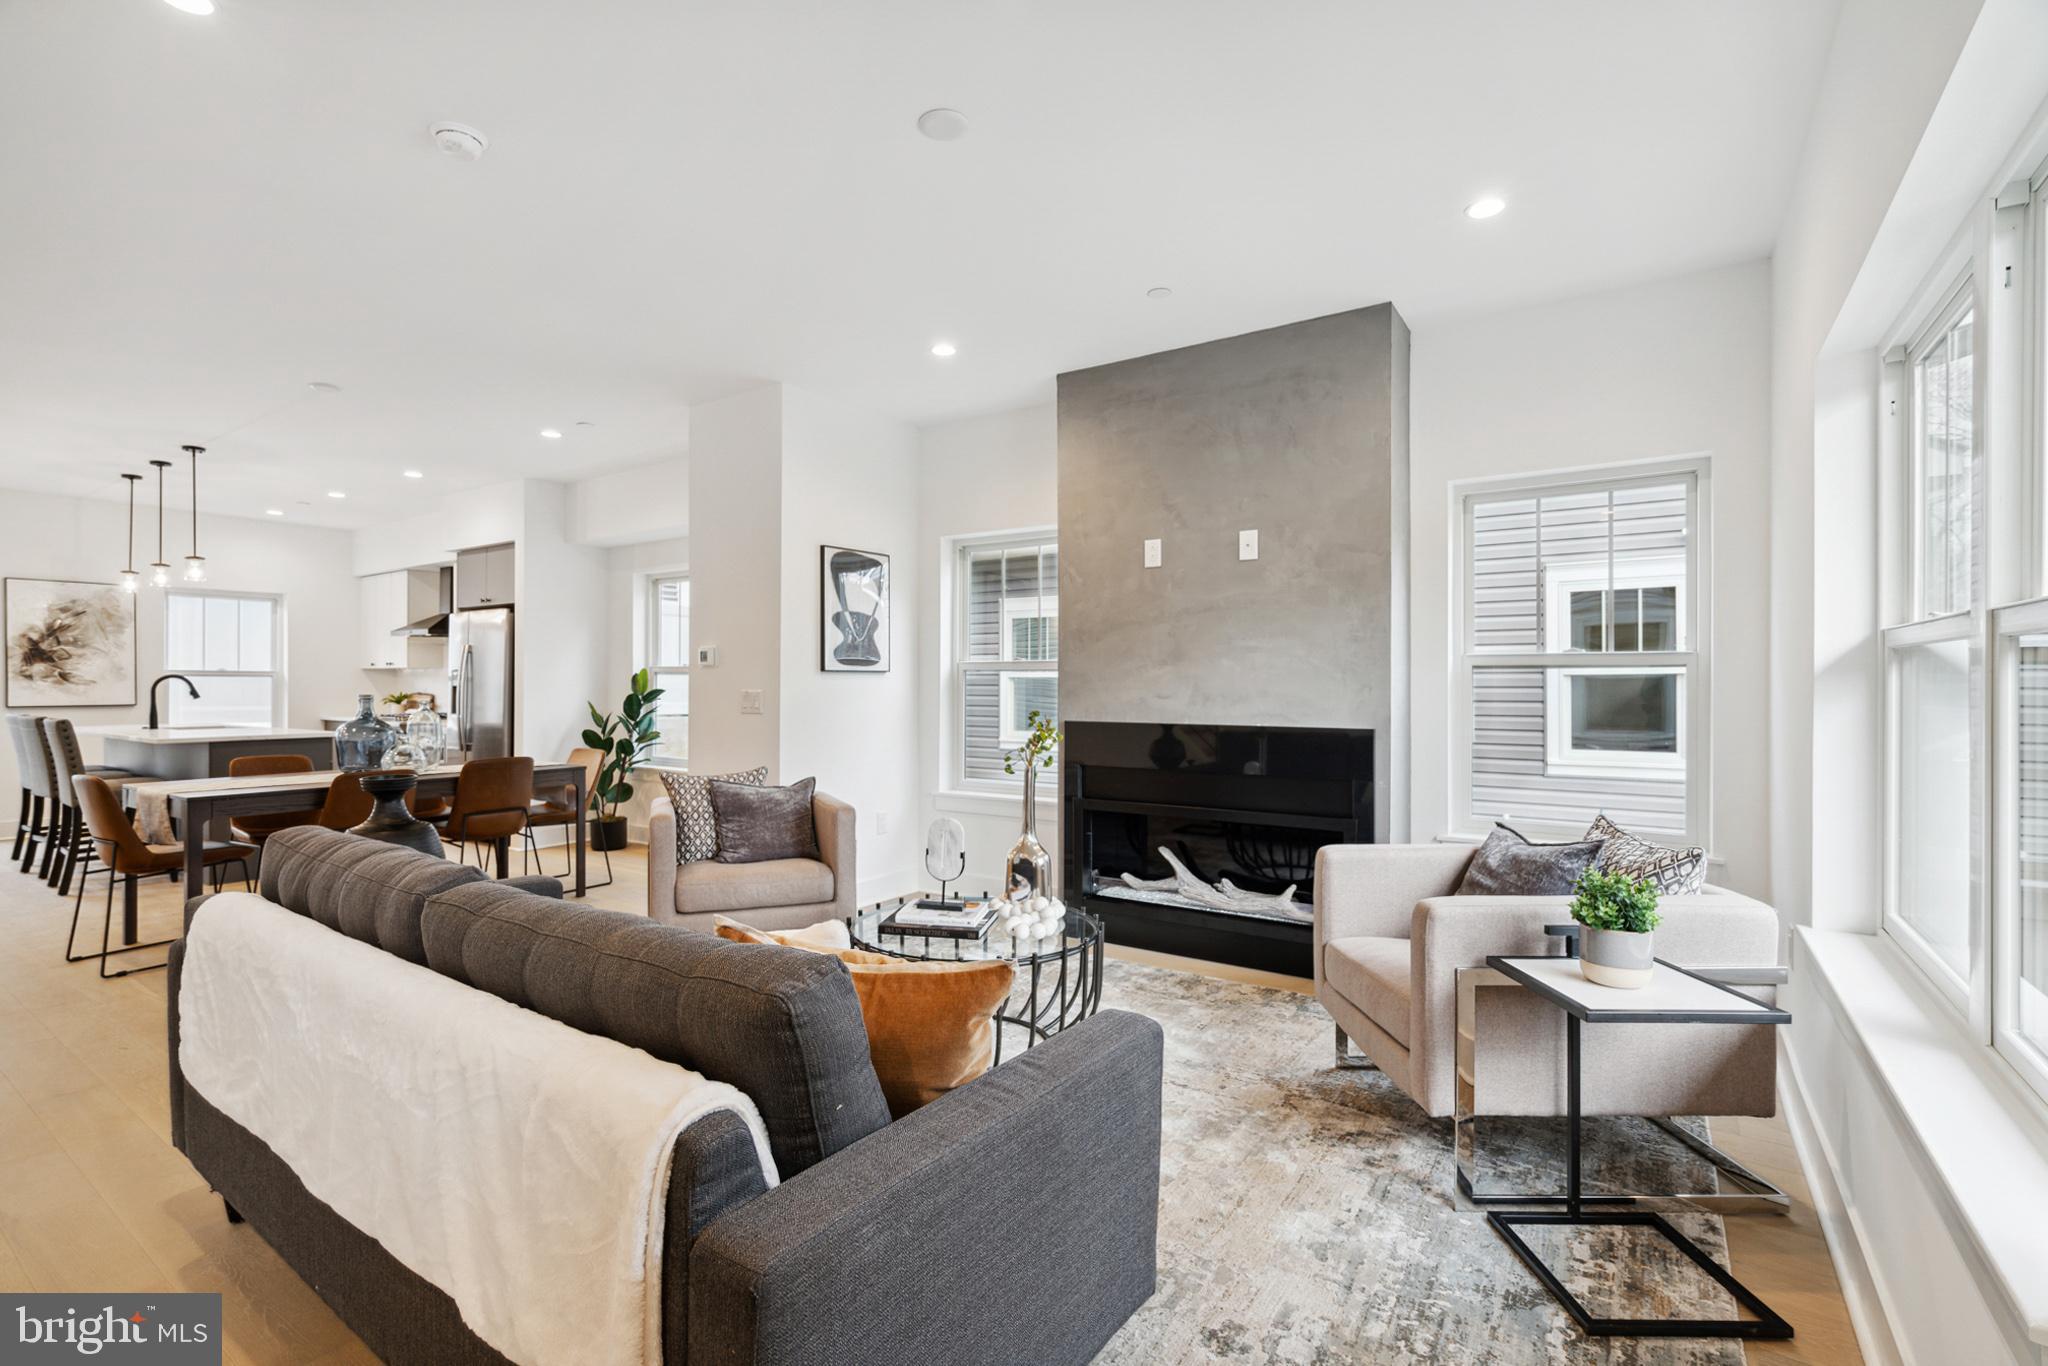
<point x="195" y="563"/>
<point x="159" y="569"/>
<point x="130" y="580"/>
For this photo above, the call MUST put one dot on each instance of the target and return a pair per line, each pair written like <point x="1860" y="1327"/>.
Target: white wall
<point x="976" y="477"/>
<point x="559" y="629"/>
<point x="649" y="502"/>
<point x="735" y="589"/>
<point x="1677" y="367"/>
<point x="849" y="479"/>
<point x="626" y="647"/>
<point x="72" y="538"/>
<point x="443" y="524"/>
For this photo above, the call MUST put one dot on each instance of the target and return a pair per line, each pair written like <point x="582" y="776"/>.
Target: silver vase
<point x="1029" y="867"/>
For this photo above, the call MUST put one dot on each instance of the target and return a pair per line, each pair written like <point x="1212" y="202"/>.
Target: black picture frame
<point x="854" y="616"/>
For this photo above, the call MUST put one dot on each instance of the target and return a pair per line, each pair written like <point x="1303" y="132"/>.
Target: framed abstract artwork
<point x="853" y="598"/>
<point x="69" y="644"/>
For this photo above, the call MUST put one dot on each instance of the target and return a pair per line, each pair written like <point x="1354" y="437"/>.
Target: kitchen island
<point x="203" y="751"/>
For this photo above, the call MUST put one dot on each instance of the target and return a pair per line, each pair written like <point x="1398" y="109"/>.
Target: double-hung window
<point x="1007" y="634"/>
<point x="668" y="656"/>
<point x="231" y="646"/>
<point x="1935" y="657"/>
<point x="1582" y="670"/>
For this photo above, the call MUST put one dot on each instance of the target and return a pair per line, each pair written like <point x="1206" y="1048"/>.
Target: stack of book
<point x="969" y="921"/>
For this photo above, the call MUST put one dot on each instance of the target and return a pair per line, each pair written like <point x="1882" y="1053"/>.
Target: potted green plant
<point x="1619" y="913"/>
<point x="625" y="739"/>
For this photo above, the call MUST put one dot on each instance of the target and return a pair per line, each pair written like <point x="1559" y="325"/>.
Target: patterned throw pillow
<point x="696" y="823"/>
<point x="1508" y="865"/>
<point x="1673" y="872"/>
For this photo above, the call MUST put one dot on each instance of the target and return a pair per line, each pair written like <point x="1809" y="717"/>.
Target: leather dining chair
<point x="259" y="827"/>
<point x="127" y="858"/>
<point x="73" y="846"/>
<point x="492" y="798"/>
<point x="557" y="807"/>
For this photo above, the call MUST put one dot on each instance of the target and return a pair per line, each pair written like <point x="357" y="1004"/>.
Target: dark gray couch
<point x="1012" y="1220"/>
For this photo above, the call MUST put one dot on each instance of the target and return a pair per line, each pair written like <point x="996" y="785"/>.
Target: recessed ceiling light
<point x="321" y="386"/>
<point x="585" y="422"/>
<point x="460" y="141"/>
<point x="942" y="125"/>
<point x="336" y="493"/>
<point x="1485" y="207"/>
<point x="192" y="6"/>
<point x="551" y="434"/>
<point x="944" y="348"/>
<point x="273" y="512"/>
<point x="415" y="474"/>
<point x="1159" y="292"/>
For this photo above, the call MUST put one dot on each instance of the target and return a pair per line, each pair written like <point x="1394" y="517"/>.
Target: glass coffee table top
<point x="1080" y="933"/>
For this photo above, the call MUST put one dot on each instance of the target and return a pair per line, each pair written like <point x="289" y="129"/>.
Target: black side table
<point x="1675" y="996"/>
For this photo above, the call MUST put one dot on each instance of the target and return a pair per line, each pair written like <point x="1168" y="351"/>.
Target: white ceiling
<point x="199" y="215"/>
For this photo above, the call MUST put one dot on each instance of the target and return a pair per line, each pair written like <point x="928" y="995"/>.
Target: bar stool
<point x="28" y="767"/>
<point x="557" y="807"/>
<point x="75" y="846"/>
<point x="128" y="858"/>
<point x="257" y="828"/>
<point x="492" y="797"/>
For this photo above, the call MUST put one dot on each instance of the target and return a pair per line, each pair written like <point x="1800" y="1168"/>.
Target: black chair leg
<point x="234" y="1215"/>
<point x="35" y="834"/>
<point x="21" y="824"/>
<point x="107" y="949"/>
<point x="59" y="828"/>
<point x="72" y="849"/>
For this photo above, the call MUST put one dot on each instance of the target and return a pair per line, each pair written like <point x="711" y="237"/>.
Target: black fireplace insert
<point x="1217" y="825"/>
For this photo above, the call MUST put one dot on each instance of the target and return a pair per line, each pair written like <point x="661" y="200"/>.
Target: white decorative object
<point x="1223" y="896"/>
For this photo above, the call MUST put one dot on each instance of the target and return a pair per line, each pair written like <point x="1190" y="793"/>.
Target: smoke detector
<point x="461" y="141"/>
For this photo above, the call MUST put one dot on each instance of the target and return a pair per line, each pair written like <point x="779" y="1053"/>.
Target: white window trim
<point x="2026" y="1057"/>
<point x="1564" y="759"/>
<point x="649" y="632"/>
<point x="278" y="653"/>
<point x="1697" y="469"/>
<point x="952" y="745"/>
<point x="1960" y="299"/>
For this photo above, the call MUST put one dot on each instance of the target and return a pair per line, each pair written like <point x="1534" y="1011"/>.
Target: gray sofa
<point x="1011" y="1220"/>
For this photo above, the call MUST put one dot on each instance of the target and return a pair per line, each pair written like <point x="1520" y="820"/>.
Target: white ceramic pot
<point x="1616" y="958"/>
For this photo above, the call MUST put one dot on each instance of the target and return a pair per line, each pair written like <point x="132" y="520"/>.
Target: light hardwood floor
<point x="93" y="1196"/>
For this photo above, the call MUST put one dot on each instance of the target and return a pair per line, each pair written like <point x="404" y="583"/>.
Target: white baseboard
<point x="1862" y="1295"/>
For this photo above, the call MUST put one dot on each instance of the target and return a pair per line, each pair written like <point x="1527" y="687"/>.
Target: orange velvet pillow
<point x="930" y="1026"/>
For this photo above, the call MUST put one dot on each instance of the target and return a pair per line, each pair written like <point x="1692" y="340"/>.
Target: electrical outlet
<point x="750" y="701"/>
<point x="1248" y="545"/>
<point x="881" y="822"/>
<point x="1152" y="555"/>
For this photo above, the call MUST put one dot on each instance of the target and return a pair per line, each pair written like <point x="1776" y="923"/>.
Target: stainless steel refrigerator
<point x="480" y="681"/>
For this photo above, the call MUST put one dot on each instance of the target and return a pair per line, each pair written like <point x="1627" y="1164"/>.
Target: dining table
<point x="195" y="803"/>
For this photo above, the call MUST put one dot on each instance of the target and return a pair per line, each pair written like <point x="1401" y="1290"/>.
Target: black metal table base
<point x="1768" y="1325"/>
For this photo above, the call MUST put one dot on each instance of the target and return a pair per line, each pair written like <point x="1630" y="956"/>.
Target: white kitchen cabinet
<point x="394" y="600"/>
<point x="483" y="577"/>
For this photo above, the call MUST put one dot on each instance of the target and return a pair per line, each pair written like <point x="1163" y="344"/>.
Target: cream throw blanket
<point x="516" y="1163"/>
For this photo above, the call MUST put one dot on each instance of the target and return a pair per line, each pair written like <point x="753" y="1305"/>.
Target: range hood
<point x="434" y="624"/>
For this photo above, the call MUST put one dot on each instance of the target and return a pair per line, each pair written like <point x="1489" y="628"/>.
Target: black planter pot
<point x="608" y="832"/>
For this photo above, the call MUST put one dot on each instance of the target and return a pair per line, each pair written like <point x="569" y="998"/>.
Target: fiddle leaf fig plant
<point x="1041" y="740"/>
<point x="1615" y="901"/>
<point x="625" y="739"/>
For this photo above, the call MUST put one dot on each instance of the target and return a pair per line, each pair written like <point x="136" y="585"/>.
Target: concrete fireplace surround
<point x="1299" y="432"/>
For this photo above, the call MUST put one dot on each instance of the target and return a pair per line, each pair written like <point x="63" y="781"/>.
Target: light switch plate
<point x="1152" y="553"/>
<point x="750" y="701"/>
<point x="1248" y="545"/>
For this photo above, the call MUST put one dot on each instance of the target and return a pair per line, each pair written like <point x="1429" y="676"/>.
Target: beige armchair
<point x="780" y="894"/>
<point x="1390" y="941"/>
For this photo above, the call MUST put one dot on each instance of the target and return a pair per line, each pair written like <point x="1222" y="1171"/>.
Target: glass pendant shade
<point x="130" y="581"/>
<point x="159" y="568"/>
<point x="195" y="563"/>
<point x="160" y="575"/>
<point x="195" y="569"/>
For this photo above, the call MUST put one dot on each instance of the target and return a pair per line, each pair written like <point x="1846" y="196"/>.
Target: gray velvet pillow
<point x="1508" y="865"/>
<point x="756" y="824"/>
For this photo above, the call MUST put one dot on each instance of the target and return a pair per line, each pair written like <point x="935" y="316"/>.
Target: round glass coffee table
<point x="1059" y="978"/>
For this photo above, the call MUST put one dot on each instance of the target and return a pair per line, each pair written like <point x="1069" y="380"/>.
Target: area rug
<point x="1307" y="1214"/>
